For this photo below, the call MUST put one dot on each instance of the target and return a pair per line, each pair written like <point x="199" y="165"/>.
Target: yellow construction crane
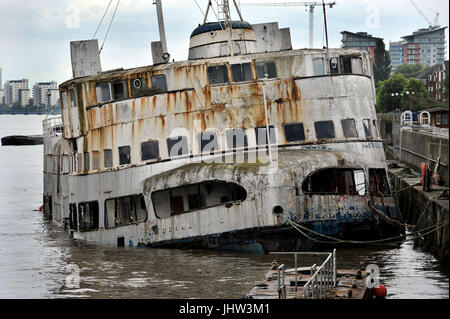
<point x="311" y="6"/>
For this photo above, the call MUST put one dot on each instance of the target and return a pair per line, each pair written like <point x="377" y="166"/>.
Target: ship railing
<point x="322" y="278"/>
<point x="52" y="126"/>
<point x="427" y="129"/>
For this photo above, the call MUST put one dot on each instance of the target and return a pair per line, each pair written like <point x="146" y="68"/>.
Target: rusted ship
<point x="223" y="150"/>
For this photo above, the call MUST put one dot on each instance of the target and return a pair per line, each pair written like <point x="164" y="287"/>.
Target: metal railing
<point x="52" y="126"/>
<point x="327" y="270"/>
<point x="281" y="286"/>
<point x="322" y="278"/>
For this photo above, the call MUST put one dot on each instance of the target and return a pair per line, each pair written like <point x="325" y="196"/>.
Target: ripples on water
<point x="34" y="253"/>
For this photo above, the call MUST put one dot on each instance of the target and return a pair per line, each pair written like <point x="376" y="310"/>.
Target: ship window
<point x="334" y="65"/>
<point x="357" y="67"/>
<point x="261" y="135"/>
<point x="236" y="138"/>
<point x="79" y="162"/>
<point x="217" y="74"/>
<point x="208" y="142"/>
<point x="242" y="72"/>
<point x="346" y="65"/>
<point x="107" y="158"/>
<point x="88" y="216"/>
<point x="177" y="146"/>
<point x="73" y="98"/>
<point x="124" y="155"/>
<point x="64" y="100"/>
<point x="349" y="128"/>
<point x="138" y="86"/>
<point x="159" y="82"/>
<point x="324" y="129"/>
<point x="125" y="210"/>
<point x="378" y="181"/>
<point x="95" y="160"/>
<point x="86" y="161"/>
<point x="103" y="92"/>
<point x="119" y="90"/>
<point x="336" y="181"/>
<point x="367" y="128"/>
<point x="73" y="218"/>
<point x="266" y="69"/>
<point x="149" y="150"/>
<point x="178" y="200"/>
<point x="318" y="66"/>
<point x="294" y="132"/>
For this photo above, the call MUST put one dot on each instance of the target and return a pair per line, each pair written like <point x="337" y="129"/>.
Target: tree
<point x="382" y="65"/>
<point x="444" y="88"/>
<point x="385" y="101"/>
<point x="415" y="96"/>
<point x="410" y="70"/>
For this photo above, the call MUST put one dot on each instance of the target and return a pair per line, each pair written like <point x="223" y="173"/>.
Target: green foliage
<point x="410" y="70"/>
<point x="382" y="65"/>
<point x="412" y="95"/>
<point x="444" y="87"/>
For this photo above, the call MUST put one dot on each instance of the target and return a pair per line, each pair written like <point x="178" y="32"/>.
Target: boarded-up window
<point x="318" y="66"/>
<point x="294" y="132"/>
<point x="266" y="69"/>
<point x="95" y="160"/>
<point x="208" y="142"/>
<point x="346" y="65"/>
<point x="86" y="161"/>
<point x="107" y="158"/>
<point x="73" y="98"/>
<point x="63" y="98"/>
<point x="124" y="155"/>
<point x="177" y="146"/>
<point x="103" y="92"/>
<point x="149" y="150"/>
<point x="335" y="181"/>
<point x="349" y="128"/>
<point x="357" y="66"/>
<point x="324" y="129"/>
<point x="378" y="181"/>
<point x="242" y="72"/>
<point x="217" y="74"/>
<point x="137" y="86"/>
<point x="159" y="82"/>
<point x="261" y="135"/>
<point x="119" y="90"/>
<point x="88" y="216"/>
<point x="79" y="162"/>
<point x="236" y="138"/>
<point x="367" y="128"/>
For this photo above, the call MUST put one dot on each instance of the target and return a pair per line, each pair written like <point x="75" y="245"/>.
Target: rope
<point x="408" y="187"/>
<point x="298" y="227"/>
<point x="110" y="23"/>
<point x="198" y="7"/>
<point x="101" y="20"/>
<point x="426" y="205"/>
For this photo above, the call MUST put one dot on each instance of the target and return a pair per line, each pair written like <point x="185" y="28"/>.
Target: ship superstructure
<point x="221" y="150"/>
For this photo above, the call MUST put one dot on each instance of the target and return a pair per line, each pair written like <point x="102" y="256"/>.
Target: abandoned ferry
<point x="223" y="150"/>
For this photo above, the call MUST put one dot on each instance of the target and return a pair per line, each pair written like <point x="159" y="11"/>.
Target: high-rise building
<point x="1" y="83"/>
<point x="24" y="97"/>
<point x="396" y="54"/>
<point x="360" y="40"/>
<point x="426" y="46"/>
<point x="12" y="90"/>
<point x="41" y="91"/>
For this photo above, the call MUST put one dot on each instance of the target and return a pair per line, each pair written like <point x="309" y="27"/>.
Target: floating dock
<point x="324" y="282"/>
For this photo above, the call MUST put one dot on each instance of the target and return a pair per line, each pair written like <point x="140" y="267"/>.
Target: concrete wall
<point x="416" y="147"/>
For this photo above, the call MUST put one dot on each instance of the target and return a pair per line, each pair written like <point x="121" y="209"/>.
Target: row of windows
<point x="120" y="211"/>
<point x="208" y="142"/>
<point x="241" y="72"/>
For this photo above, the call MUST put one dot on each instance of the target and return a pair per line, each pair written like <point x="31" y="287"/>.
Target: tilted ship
<point x="225" y="150"/>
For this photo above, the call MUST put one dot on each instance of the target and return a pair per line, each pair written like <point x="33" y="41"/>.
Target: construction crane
<point x="431" y="24"/>
<point x="311" y="6"/>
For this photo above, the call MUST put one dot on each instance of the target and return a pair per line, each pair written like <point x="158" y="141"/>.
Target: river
<point x="35" y="254"/>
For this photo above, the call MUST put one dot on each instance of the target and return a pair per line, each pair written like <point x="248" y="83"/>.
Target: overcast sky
<point x="35" y="35"/>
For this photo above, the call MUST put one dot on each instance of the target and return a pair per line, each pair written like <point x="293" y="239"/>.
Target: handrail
<point x="322" y="278"/>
